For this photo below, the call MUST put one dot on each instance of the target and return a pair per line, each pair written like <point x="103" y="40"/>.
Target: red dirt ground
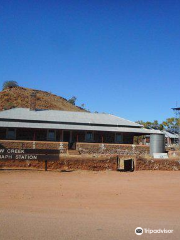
<point x="86" y="205"/>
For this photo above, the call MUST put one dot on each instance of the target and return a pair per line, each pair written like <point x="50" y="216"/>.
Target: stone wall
<point x="66" y="163"/>
<point x="174" y="154"/>
<point x="22" y="164"/>
<point x="157" y="164"/>
<point x="34" y="145"/>
<point x="98" y="163"/>
<point x="120" y="149"/>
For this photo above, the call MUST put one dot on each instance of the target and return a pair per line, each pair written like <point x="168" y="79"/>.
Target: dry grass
<point x="19" y="97"/>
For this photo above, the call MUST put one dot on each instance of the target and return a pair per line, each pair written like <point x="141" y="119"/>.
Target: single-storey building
<point x="171" y="138"/>
<point x="72" y="127"/>
<point x="64" y="126"/>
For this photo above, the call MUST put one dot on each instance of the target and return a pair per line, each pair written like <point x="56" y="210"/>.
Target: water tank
<point x="157" y="143"/>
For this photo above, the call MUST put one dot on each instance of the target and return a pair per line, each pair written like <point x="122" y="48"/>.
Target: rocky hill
<point x="19" y="97"/>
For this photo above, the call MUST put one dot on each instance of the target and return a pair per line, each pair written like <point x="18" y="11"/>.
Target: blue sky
<point x="119" y="57"/>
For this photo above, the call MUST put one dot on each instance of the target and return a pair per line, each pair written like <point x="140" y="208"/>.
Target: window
<point x="11" y="133"/>
<point x="119" y="138"/>
<point x="89" y="136"/>
<point x="51" y="135"/>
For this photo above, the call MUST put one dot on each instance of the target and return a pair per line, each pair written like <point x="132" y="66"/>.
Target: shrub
<point x="72" y="100"/>
<point x="10" y="84"/>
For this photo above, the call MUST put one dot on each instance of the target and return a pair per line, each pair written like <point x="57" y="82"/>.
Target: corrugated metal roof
<point x="76" y="127"/>
<point x="52" y="119"/>
<point x="66" y="117"/>
<point x="170" y="135"/>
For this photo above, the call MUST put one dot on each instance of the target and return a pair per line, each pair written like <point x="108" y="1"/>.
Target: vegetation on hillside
<point x="12" y="97"/>
<point x="72" y="100"/>
<point x="10" y="84"/>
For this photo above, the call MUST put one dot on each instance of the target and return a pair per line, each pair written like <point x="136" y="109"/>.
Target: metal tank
<point x="157" y="143"/>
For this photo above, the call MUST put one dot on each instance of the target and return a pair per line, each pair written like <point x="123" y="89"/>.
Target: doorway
<point x="67" y="137"/>
<point x="129" y="165"/>
<point x="125" y="165"/>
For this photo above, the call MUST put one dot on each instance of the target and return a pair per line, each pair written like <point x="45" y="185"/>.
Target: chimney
<point x="32" y="101"/>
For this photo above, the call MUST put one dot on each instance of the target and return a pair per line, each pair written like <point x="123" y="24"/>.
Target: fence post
<point x="45" y="165"/>
<point x="117" y="162"/>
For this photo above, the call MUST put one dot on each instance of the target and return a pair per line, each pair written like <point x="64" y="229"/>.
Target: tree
<point x="148" y="125"/>
<point x="140" y="122"/>
<point x="72" y="100"/>
<point x="161" y="127"/>
<point x="171" y="124"/>
<point x="145" y="124"/>
<point x="10" y="84"/>
<point x="151" y="125"/>
<point x="83" y="106"/>
<point x="155" y="124"/>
